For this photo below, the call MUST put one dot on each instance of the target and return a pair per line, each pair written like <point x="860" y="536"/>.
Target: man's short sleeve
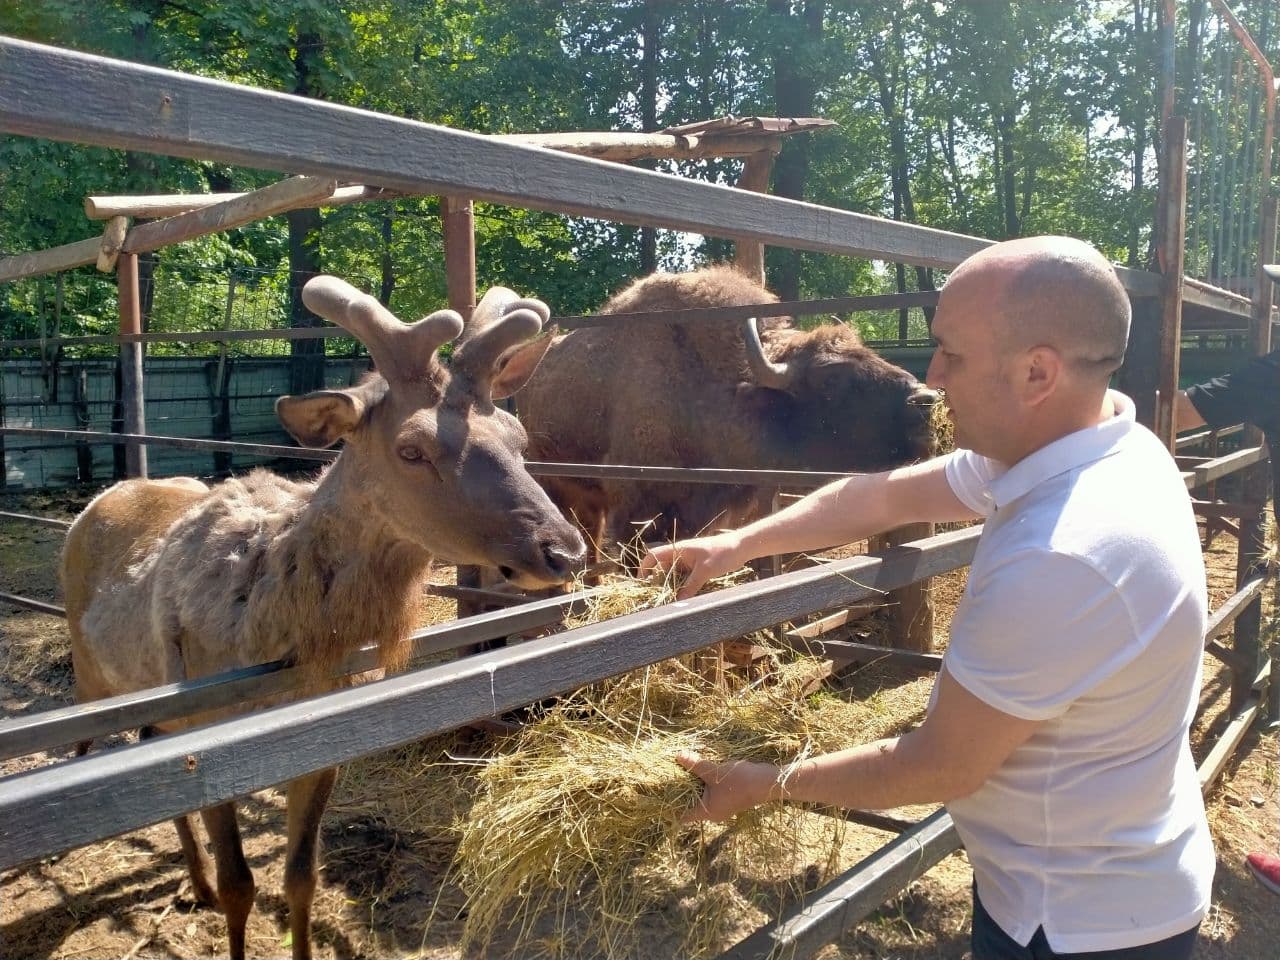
<point x="969" y="476"/>
<point x="1039" y="631"/>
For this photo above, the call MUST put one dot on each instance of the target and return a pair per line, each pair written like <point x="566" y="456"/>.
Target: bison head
<point x="824" y="401"/>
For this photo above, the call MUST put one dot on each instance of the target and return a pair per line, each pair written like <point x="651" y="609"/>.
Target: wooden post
<point x="1173" y="222"/>
<point x="1139" y="377"/>
<point x="220" y="387"/>
<point x="748" y="255"/>
<point x="910" y="607"/>
<point x="1252" y="546"/>
<point x="458" y="217"/>
<point x="80" y="407"/>
<point x="4" y="460"/>
<point x="131" y="392"/>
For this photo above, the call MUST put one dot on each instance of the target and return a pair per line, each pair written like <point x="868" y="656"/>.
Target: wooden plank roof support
<point x="112" y="242"/>
<point x="211" y="218"/>
<point x="725" y="137"/>
<point x="169" y="204"/>
<point x="277" y="198"/>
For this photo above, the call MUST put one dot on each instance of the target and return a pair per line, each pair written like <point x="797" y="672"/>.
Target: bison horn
<point x="501" y="319"/>
<point x="400" y="351"/>
<point x="764" y="371"/>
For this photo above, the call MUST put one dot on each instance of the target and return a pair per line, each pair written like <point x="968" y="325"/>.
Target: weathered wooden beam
<point x="65" y="257"/>
<point x="621" y="147"/>
<point x="69" y="96"/>
<point x="1201" y="436"/>
<point x="286" y="195"/>
<point x="1223" y="466"/>
<point x="748" y="255"/>
<point x="1216" y="509"/>
<point x="156" y="206"/>
<point x="23" y="735"/>
<point x="457" y="216"/>
<point x="825" y="914"/>
<point x="1242" y="719"/>
<point x="120" y="790"/>
<point x="1220" y="620"/>
<point x="832" y="621"/>
<point x="1172" y="241"/>
<point x="132" y="392"/>
<point x="113" y="237"/>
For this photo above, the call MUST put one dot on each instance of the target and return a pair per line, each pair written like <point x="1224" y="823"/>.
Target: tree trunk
<point x="904" y="207"/>
<point x="306" y="367"/>
<point x="795" y="86"/>
<point x="650" y="33"/>
<point x="388" y="284"/>
<point x="1008" y="171"/>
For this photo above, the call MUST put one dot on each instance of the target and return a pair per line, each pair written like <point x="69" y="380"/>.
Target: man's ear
<point x="322" y="418"/>
<point x="1043" y="367"/>
<point x="512" y="370"/>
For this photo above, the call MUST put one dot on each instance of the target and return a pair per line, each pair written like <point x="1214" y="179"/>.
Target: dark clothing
<point x="1249" y="394"/>
<point x="989" y="942"/>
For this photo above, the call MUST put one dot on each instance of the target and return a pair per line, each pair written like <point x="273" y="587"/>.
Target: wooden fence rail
<point x="103" y="795"/>
<point x="63" y="95"/>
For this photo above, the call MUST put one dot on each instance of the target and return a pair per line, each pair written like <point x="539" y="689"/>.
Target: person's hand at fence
<point x="697" y="560"/>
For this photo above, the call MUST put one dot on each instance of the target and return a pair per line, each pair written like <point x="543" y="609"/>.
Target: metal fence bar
<point x="788" y="308"/>
<point x="30" y="518"/>
<point x="798" y="478"/>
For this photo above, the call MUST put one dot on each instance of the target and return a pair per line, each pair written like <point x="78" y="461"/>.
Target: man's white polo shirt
<point x="1085" y="608"/>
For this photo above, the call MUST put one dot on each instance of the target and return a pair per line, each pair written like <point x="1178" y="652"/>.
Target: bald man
<point x="1057" y="730"/>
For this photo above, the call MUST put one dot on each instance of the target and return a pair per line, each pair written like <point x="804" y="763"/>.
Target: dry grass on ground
<point x="390" y="837"/>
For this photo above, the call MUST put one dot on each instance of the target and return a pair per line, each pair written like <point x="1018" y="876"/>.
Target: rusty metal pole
<point x="1252" y="544"/>
<point x="1172" y="250"/>
<point x="131" y="387"/>
<point x="458" y="218"/>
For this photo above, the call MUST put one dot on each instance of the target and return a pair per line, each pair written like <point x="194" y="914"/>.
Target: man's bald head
<point x="1053" y="291"/>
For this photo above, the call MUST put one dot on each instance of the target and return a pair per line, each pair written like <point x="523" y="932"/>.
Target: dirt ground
<point x="385" y="890"/>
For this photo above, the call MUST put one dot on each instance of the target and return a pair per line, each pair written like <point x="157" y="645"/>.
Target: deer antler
<point x="400" y="351"/>
<point x="500" y="320"/>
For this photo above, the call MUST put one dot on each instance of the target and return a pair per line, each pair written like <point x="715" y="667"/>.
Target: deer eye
<point x="411" y="454"/>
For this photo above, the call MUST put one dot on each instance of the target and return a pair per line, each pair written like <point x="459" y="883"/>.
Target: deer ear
<point x="322" y="418"/>
<point x="514" y="367"/>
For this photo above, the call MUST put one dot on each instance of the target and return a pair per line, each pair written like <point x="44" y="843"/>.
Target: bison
<point x="706" y="394"/>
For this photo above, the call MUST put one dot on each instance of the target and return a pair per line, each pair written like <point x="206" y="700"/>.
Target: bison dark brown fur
<point x="687" y="395"/>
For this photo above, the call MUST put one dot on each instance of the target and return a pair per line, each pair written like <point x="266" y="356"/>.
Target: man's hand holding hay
<point x="730" y="788"/>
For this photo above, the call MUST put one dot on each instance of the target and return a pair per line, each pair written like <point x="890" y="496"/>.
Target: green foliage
<point x="981" y="118"/>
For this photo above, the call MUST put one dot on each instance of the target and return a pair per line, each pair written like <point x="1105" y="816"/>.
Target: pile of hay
<point x="575" y="831"/>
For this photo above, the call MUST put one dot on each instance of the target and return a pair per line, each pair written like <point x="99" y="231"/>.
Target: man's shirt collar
<point x="1066" y="453"/>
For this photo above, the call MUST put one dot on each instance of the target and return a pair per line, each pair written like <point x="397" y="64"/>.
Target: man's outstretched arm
<point x="841" y="512"/>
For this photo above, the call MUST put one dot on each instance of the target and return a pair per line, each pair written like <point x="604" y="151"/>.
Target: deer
<point x="171" y="579"/>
